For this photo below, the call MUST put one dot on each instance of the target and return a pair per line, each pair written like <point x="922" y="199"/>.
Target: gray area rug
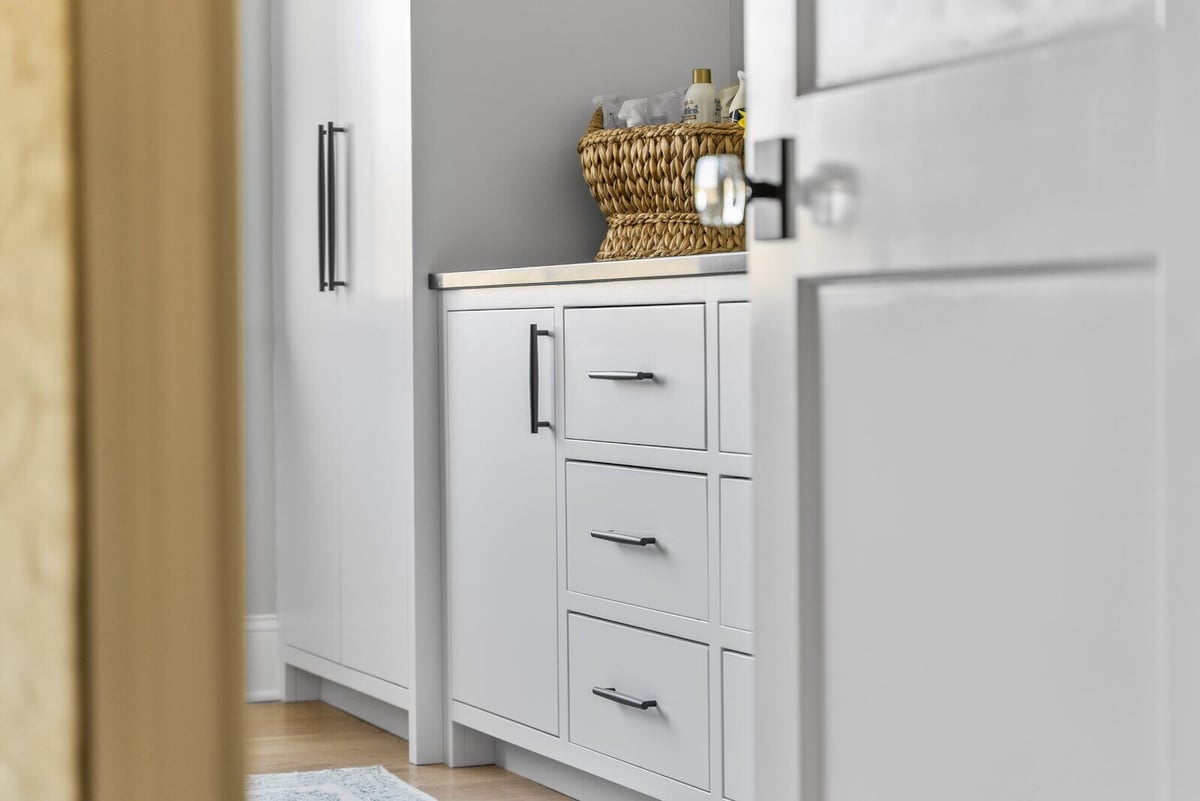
<point x="343" y="784"/>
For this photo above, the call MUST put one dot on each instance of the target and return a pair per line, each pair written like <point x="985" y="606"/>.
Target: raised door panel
<point x="305" y="335"/>
<point x="375" y="357"/>
<point x="990" y="557"/>
<point x="863" y="39"/>
<point x="502" y="563"/>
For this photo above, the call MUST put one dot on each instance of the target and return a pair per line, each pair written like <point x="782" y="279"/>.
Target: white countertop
<point x="634" y="269"/>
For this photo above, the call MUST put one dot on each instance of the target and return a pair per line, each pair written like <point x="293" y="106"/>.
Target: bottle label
<point x="691" y="110"/>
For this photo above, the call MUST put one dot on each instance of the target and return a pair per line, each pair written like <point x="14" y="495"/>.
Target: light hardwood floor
<point x="313" y="736"/>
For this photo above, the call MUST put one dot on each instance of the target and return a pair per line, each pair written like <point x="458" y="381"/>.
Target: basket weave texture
<point x="642" y="180"/>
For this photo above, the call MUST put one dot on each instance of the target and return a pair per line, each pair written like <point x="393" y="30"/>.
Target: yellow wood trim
<point x="156" y="143"/>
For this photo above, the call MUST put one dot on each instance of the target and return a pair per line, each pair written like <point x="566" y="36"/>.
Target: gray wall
<point x="499" y="181"/>
<point x="256" y="306"/>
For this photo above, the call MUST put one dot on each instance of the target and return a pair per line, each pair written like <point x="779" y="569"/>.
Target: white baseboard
<point x="264" y="665"/>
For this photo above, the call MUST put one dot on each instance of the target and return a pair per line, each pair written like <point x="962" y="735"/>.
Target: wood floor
<point x="313" y="736"/>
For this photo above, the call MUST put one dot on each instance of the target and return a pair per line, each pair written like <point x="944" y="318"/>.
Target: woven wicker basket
<point x="642" y="179"/>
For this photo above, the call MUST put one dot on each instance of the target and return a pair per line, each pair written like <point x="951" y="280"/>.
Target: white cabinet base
<point x="387" y="692"/>
<point x="565" y="779"/>
<point x="560" y="750"/>
<point x="305" y="686"/>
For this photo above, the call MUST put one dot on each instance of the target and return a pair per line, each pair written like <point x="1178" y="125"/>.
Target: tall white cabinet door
<point x="375" y="343"/>
<point x="305" y="358"/>
<point x="500" y="515"/>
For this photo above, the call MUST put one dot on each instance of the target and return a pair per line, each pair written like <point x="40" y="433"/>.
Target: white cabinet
<point x="374" y="354"/>
<point x="358" y="441"/>
<point x="306" y="341"/>
<point x="343" y="355"/>
<point x="586" y="559"/>
<point x="501" y="494"/>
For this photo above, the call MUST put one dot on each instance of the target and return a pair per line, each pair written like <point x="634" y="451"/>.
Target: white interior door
<point x="969" y="501"/>
<point x="305" y="355"/>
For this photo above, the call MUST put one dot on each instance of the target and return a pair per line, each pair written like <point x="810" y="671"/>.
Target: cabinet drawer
<point x="608" y="348"/>
<point x="612" y="511"/>
<point x="671" y="737"/>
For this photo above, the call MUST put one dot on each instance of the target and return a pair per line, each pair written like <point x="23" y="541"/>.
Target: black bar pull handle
<point x="621" y="375"/>
<point x="535" y="424"/>
<point x="611" y="694"/>
<point x="331" y="188"/>
<point x="321" y="204"/>
<point x="623" y="539"/>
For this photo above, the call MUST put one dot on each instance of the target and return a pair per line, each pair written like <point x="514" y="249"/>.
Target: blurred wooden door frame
<point x="156" y="151"/>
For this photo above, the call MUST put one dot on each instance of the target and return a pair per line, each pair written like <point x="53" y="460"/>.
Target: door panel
<point x="1022" y="140"/>
<point x="306" y="337"/>
<point x="501" y="540"/>
<point x="375" y="354"/>
<point x="990" y="606"/>
<point x="869" y="38"/>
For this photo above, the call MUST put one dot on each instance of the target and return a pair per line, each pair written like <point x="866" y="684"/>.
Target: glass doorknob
<point x="722" y="190"/>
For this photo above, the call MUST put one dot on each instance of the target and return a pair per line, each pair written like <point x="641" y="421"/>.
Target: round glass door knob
<point x="721" y="191"/>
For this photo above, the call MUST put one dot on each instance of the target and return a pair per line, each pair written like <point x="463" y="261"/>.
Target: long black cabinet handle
<point x="535" y="424"/>
<point x="331" y="188"/>
<point x="621" y="375"/>
<point x="623" y="539"/>
<point x="611" y="694"/>
<point x="321" y="204"/>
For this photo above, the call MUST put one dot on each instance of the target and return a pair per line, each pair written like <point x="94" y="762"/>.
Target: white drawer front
<point x="737" y="579"/>
<point x="670" y="738"/>
<point x="737" y="693"/>
<point x="612" y="511"/>
<point x="606" y="348"/>
<point x="733" y="334"/>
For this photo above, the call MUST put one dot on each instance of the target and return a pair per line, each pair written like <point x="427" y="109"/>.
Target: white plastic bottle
<point x="737" y="107"/>
<point x="701" y="103"/>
